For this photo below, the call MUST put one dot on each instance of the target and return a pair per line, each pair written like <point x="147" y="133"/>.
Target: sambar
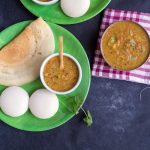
<point x="125" y="45"/>
<point x="61" y="80"/>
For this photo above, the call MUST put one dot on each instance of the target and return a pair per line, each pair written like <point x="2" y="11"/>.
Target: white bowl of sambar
<point x="125" y="45"/>
<point x="45" y="2"/>
<point x="61" y="81"/>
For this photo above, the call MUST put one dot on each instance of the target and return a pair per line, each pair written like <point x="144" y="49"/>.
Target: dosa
<point x="20" y="60"/>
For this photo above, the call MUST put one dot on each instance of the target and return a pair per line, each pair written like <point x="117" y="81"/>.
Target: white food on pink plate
<point x="14" y="101"/>
<point x="75" y="8"/>
<point x="43" y="104"/>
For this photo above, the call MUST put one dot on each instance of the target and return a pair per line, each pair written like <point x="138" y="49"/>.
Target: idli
<point x="43" y="104"/>
<point x="14" y="101"/>
<point x="75" y="8"/>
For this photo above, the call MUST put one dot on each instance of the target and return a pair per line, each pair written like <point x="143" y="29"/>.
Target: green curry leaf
<point x="88" y="119"/>
<point x="76" y="106"/>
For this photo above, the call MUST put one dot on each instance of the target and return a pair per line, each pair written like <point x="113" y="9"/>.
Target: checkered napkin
<point x="100" y="67"/>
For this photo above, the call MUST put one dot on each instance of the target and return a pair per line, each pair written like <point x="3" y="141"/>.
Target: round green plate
<point x="72" y="46"/>
<point x="53" y="13"/>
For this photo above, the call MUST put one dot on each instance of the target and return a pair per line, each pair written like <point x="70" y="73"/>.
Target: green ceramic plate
<point x="72" y="46"/>
<point x="53" y="13"/>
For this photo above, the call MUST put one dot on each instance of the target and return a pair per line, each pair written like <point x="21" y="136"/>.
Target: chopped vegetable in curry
<point x="125" y="45"/>
<point x="61" y="80"/>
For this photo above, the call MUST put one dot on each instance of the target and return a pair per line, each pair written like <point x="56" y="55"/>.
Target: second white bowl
<point x="42" y="76"/>
<point x="45" y="3"/>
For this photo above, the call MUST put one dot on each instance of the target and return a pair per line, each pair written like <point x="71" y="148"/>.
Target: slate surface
<point x="121" y="120"/>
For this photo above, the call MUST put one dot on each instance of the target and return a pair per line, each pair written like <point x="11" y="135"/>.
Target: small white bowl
<point x="42" y="76"/>
<point x="45" y="3"/>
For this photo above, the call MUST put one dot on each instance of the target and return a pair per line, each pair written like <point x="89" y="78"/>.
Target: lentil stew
<point x="125" y="45"/>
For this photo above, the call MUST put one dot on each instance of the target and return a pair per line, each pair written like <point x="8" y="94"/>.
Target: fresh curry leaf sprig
<point x="88" y="118"/>
<point x="76" y="106"/>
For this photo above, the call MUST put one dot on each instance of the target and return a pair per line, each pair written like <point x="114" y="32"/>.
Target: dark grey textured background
<point x="121" y="120"/>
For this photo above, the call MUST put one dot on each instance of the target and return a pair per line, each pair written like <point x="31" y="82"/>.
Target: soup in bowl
<point x="57" y="80"/>
<point x="125" y="45"/>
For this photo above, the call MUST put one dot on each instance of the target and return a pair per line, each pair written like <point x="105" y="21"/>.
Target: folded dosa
<point x="20" y="60"/>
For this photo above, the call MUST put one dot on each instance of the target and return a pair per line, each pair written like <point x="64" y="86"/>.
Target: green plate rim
<point x="105" y="4"/>
<point x="88" y="88"/>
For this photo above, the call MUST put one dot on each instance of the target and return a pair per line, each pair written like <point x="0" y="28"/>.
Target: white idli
<point x="75" y="8"/>
<point x="43" y="104"/>
<point x="14" y="101"/>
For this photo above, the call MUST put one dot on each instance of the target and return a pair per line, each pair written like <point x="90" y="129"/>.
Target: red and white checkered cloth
<point x="100" y="67"/>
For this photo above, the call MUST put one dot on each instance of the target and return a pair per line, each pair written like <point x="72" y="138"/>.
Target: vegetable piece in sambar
<point x="61" y="80"/>
<point x="125" y="45"/>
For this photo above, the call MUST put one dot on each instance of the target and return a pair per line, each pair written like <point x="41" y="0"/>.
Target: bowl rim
<point x="45" y="3"/>
<point x="102" y="51"/>
<point x="42" y="76"/>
